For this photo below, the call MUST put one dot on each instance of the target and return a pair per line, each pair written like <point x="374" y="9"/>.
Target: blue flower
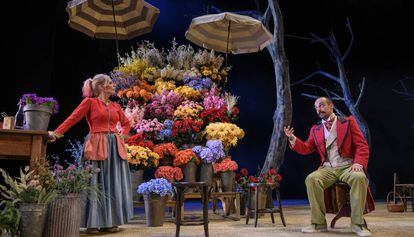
<point x="159" y="186"/>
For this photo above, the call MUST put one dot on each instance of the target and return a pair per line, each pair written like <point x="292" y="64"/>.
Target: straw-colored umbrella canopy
<point x="96" y="18"/>
<point x="246" y="34"/>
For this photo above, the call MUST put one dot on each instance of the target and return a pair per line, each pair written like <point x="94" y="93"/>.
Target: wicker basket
<point x="399" y="206"/>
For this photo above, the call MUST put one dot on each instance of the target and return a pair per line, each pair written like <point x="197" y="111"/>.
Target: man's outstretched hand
<point x="289" y="132"/>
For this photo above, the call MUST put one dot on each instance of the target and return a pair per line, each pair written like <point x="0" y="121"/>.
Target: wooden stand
<point x="23" y="145"/>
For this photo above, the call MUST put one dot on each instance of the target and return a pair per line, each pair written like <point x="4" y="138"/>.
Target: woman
<point x="104" y="147"/>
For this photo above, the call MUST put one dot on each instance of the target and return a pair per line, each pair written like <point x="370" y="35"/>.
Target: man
<point x="344" y="156"/>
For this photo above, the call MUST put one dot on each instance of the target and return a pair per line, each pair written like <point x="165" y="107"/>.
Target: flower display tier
<point x="178" y="109"/>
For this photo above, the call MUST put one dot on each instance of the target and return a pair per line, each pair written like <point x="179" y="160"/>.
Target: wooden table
<point x="23" y="145"/>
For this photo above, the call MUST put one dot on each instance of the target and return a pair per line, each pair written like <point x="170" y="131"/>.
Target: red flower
<point x="244" y="172"/>
<point x="278" y="177"/>
<point x="238" y="177"/>
<point x="272" y="171"/>
<point x="235" y="111"/>
<point x="269" y="180"/>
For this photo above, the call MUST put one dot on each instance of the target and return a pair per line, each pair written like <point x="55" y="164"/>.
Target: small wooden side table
<point x="265" y="187"/>
<point x="23" y="145"/>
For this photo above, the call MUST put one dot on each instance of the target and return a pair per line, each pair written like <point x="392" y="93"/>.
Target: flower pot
<point x="243" y="197"/>
<point x="36" y="117"/>
<point x="262" y="197"/>
<point x="206" y="172"/>
<point x="33" y="219"/>
<point x="227" y="181"/>
<point x="136" y="180"/>
<point x="154" y="209"/>
<point x="189" y="172"/>
<point x="64" y="217"/>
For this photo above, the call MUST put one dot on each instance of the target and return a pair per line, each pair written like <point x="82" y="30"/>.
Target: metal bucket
<point x="262" y="198"/>
<point x="206" y="172"/>
<point x="227" y="181"/>
<point x="136" y="180"/>
<point x="64" y="217"/>
<point x="154" y="209"/>
<point x="36" y="117"/>
<point x="190" y="172"/>
<point x="33" y="219"/>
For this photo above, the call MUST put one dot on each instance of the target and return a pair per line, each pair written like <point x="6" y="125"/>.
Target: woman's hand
<point x="51" y="137"/>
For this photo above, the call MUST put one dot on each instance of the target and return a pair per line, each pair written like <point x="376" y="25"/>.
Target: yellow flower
<point x="227" y="133"/>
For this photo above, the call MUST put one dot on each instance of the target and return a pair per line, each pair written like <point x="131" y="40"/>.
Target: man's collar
<point x="331" y="118"/>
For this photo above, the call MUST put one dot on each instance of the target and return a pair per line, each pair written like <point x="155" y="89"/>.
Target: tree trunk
<point x="283" y="113"/>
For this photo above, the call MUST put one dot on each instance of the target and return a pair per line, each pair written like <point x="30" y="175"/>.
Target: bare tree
<point x="341" y="82"/>
<point x="283" y="112"/>
<point x="404" y="91"/>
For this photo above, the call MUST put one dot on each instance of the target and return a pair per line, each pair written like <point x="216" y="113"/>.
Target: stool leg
<point x="412" y="198"/>
<point x="256" y="206"/>
<point x="248" y="206"/>
<point x="205" y="209"/>
<point x="280" y="207"/>
<point x="178" y="206"/>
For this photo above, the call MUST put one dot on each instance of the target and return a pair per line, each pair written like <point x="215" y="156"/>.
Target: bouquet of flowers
<point x="227" y="133"/>
<point x="50" y="102"/>
<point x="213" y="115"/>
<point x="159" y="186"/>
<point x="198" y="83"/>
<point x="242" y="179"/>
<point x="212" y="101"/>
<point x="166" y="132"/>
<point x="138" y="140"/>
<point x="185" y="156"/>
<point x="135" y="93"/>
<point x="75" y="178"/>
<point x="225" y="165"/>
<point x="161" y="86"/>
<point x="172" y="174"/>
<point x="211" y="153"/>
<point x="188" y="93"/>
<point x="214" y="73"/>
<point x="162" y="105"/>
<point x="149" y="128"/>
<point x="134" y="112"/>
<point x="270" y="177"/>
<point x="188" y="109"/>
<point x="186" y="130"/>
<point x="165" y="149"/>
<point x="142" y="157"/>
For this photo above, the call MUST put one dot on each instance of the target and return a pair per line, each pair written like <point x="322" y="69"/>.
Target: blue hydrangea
<point x="165" y="134"/>
<point x="198" y="83"/>
<point x="159" y="186"/>
<point x="212" y="152"/>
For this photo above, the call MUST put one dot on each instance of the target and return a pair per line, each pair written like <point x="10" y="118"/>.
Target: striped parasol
<point x="112" y="19"/>
<point x="229" y="32"/>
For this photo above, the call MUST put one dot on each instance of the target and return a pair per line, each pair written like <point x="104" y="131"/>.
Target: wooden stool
<point x="229" y="201"/>
<point x="179" y="189"/>
<point x="269" y="206"/>
<point x="342" y="205"/>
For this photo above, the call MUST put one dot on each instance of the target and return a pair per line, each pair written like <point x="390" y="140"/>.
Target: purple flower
<point x="45" y="101"/>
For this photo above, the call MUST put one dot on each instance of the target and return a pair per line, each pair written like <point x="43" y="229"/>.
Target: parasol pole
<point x="227" y="51"/>
<point x="116" y="33"/>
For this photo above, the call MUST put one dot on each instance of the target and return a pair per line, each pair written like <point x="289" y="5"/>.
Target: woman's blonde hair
<point x="92" y="86"/>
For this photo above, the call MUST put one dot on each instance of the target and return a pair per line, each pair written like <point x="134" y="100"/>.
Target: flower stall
<point x="178" y="110"/>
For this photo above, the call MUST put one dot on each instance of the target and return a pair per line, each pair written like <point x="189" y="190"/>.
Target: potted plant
<point x="72" y="184"/>
<point x="37" y="111"/>
<point x="188" y="160"/>
<point x="209" y="154"/>
<point x="9" y="218"/>
<point x="172" y="174"/>
<point x="242" y="181"/>
<point x="167" y="152"/>
<point x="31" y="195"/>
<point x="140" y="158"/>
<point x="226" y="170"/>
<point x="155" y="194"/>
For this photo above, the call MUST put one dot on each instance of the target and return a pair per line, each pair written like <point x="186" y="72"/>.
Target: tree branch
<point x="404" y="90"/>
<point x="319" y="72"/>
<point x="327" y="92"/>
<point x="351" y="42"/>
<point x="317" y="39"/>
<point x="361" y="92"/>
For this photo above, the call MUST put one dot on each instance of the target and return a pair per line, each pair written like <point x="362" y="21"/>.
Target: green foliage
<point x="9" y="217"/>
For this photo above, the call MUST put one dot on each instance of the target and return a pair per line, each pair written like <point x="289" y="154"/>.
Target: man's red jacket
<point x="351" y="144"/>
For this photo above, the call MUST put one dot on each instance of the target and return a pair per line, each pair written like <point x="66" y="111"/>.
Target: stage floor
<point x="381" y="222"/>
